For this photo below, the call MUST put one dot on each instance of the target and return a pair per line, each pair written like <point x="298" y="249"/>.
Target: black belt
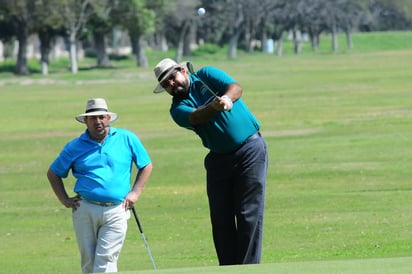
<point x="252" y="137"/>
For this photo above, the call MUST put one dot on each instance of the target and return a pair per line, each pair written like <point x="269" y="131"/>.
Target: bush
<point x="206" y="49"/>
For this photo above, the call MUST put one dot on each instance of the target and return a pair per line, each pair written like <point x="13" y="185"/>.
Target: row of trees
<point x="160" y="24"/>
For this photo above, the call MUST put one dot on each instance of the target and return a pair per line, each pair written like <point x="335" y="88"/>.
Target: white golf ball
<point x="201" y="11"/>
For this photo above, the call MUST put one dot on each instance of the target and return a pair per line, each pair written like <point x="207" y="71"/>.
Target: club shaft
<point x="143" y="237"/>
<point x="192" y="71"/>
<point x="208" y="88"/>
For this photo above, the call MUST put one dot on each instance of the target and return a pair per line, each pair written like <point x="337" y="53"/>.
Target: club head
<point x="189" y="66"/>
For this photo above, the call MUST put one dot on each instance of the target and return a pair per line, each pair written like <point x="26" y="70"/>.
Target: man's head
<point x="172" y="77"/>
<point x="97" y="118"/>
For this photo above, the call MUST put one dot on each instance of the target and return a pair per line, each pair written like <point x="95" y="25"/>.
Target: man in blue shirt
<point x="209" y="103"/>
<point x="101" y="159"/>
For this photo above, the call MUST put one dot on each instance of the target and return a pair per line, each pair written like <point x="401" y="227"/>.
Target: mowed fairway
<point x="338" y="128"/>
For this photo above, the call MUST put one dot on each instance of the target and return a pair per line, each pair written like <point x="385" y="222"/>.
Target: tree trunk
<point x="263" y="37"/>
<point x="138" y="49"/>
<point x="297" y="42"/>
<point x="159" y="42"/>
<point x="22" y="36"/>
<point x="334" y="38"/>
<point x="248" y="37"/>
<point x="180" y="44"/>
<point x="349" y="40"/>
<point x="189" y="39"/>
<point x="314" y="40"/>
<point x="232" y="53"/>
<point x="73" y="55"/>
<point x="45" y="46"/>
<point x="142" y="60"/>
<point x="100" y="46"/>
<point x="234" y="39"/>
<point x="163" y="43"/>
<point x="279" y="46"/>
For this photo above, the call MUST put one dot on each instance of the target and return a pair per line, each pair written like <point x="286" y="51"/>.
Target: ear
<point x="183" y="70"/>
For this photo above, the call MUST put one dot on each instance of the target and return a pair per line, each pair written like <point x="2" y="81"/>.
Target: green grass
<point x="338" y="190"/>
<point x="375" y="266"/>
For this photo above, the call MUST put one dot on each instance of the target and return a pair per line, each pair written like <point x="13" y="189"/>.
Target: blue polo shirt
<point x="103" y="171"/>
<point x="228" y="130"/>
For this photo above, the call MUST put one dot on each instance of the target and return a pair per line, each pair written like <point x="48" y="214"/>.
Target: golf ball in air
<point x="201" y="11"/>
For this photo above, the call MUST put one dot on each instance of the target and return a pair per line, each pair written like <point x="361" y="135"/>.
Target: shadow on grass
<point x="11" y="69"/>
<point x="63" y="66"/>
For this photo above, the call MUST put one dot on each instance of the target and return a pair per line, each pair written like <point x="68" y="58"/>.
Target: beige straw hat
<point x="96" y="107"/>
<point x="163" y="69"/>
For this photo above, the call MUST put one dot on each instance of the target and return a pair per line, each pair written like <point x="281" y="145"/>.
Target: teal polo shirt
<point x="103" y="171"/>
<point x="228" y="130"/>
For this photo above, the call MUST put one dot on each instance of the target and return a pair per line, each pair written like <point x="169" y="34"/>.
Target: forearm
<point x="234" y="91"/>
<point x="205" y="113"/>
<point x="141" y="180"/>
<point x="57" y="185"/>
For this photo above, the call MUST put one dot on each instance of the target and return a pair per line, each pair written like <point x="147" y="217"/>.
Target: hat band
<point x="164" y="73"/>
<point x="96" y="109"/>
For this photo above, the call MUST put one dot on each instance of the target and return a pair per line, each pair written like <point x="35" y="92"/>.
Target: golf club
<point x="143" y="237"/>
<point x="192" y="71"/>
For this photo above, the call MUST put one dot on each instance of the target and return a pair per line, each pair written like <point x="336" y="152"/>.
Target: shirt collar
<point x="86" y="137"/>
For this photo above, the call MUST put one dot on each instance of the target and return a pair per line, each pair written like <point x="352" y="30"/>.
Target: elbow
<point x="50" y="174"/>
<point x="238" y="91"/>
<point x="148" y="168"/>
<point x="193" y="120"/>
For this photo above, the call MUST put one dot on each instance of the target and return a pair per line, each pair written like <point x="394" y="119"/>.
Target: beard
<point x="181" y="90"/>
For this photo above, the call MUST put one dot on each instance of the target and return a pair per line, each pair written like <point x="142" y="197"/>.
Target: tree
<point x="100" y="23"/>
<point x="75" y="14"/>
<point x="19" y="13"/>
<point x="138" y="19"/>
<point x="180" y="25"/>
<point x="48" y="25"/>
<point x="349" y="16"/>
<point x="158" y="38"/>
<point x="390" y="14"/>
<point x="7" y="30"/>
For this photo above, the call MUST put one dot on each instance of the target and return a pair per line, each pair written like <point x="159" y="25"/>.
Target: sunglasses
<point x="166" y="82"/>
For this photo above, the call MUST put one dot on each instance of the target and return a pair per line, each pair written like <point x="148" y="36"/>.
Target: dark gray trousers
<point x="236" y="191"/>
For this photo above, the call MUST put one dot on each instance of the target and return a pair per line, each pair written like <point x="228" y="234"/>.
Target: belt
<point x="252" y="137"/>
<point x="101" y="203"/>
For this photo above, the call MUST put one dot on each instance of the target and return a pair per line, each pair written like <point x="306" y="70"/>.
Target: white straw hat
<point x="95" y="107"/>
<point x="163" y="69"/>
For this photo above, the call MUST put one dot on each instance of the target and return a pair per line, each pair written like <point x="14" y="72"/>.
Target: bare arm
<point x="234" y="91"/>
<point x="57" y="185"/>
<point x="205" y="113"/>
<point x="142" y="178"/>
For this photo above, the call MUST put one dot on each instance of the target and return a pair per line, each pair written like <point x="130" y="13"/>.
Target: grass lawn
<point x="357" y="266"/>
<point x="338" y="128"/>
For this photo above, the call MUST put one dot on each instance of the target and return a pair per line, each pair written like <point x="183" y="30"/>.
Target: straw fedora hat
<point x="96" y="107"/>
<point x="163" y="69"/>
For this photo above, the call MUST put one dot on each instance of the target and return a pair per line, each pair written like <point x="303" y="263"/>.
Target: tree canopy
<point x="161" y="24"/>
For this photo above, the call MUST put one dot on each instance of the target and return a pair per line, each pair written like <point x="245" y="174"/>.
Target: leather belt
<point x="101" y="203"/>
<point x="252" y="137"/>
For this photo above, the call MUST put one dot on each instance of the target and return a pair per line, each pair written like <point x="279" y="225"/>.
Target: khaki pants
<point x="100" y="233"/>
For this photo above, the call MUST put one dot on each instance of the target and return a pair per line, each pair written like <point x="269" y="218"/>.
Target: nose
<point x="171" y="82"/>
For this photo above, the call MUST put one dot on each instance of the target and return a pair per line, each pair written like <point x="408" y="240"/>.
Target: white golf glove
<point x="228" y="102"/>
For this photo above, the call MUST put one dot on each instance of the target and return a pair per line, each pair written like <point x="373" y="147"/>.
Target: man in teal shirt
<point x="101" y="159"/>
<point x="237" y="162"/>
